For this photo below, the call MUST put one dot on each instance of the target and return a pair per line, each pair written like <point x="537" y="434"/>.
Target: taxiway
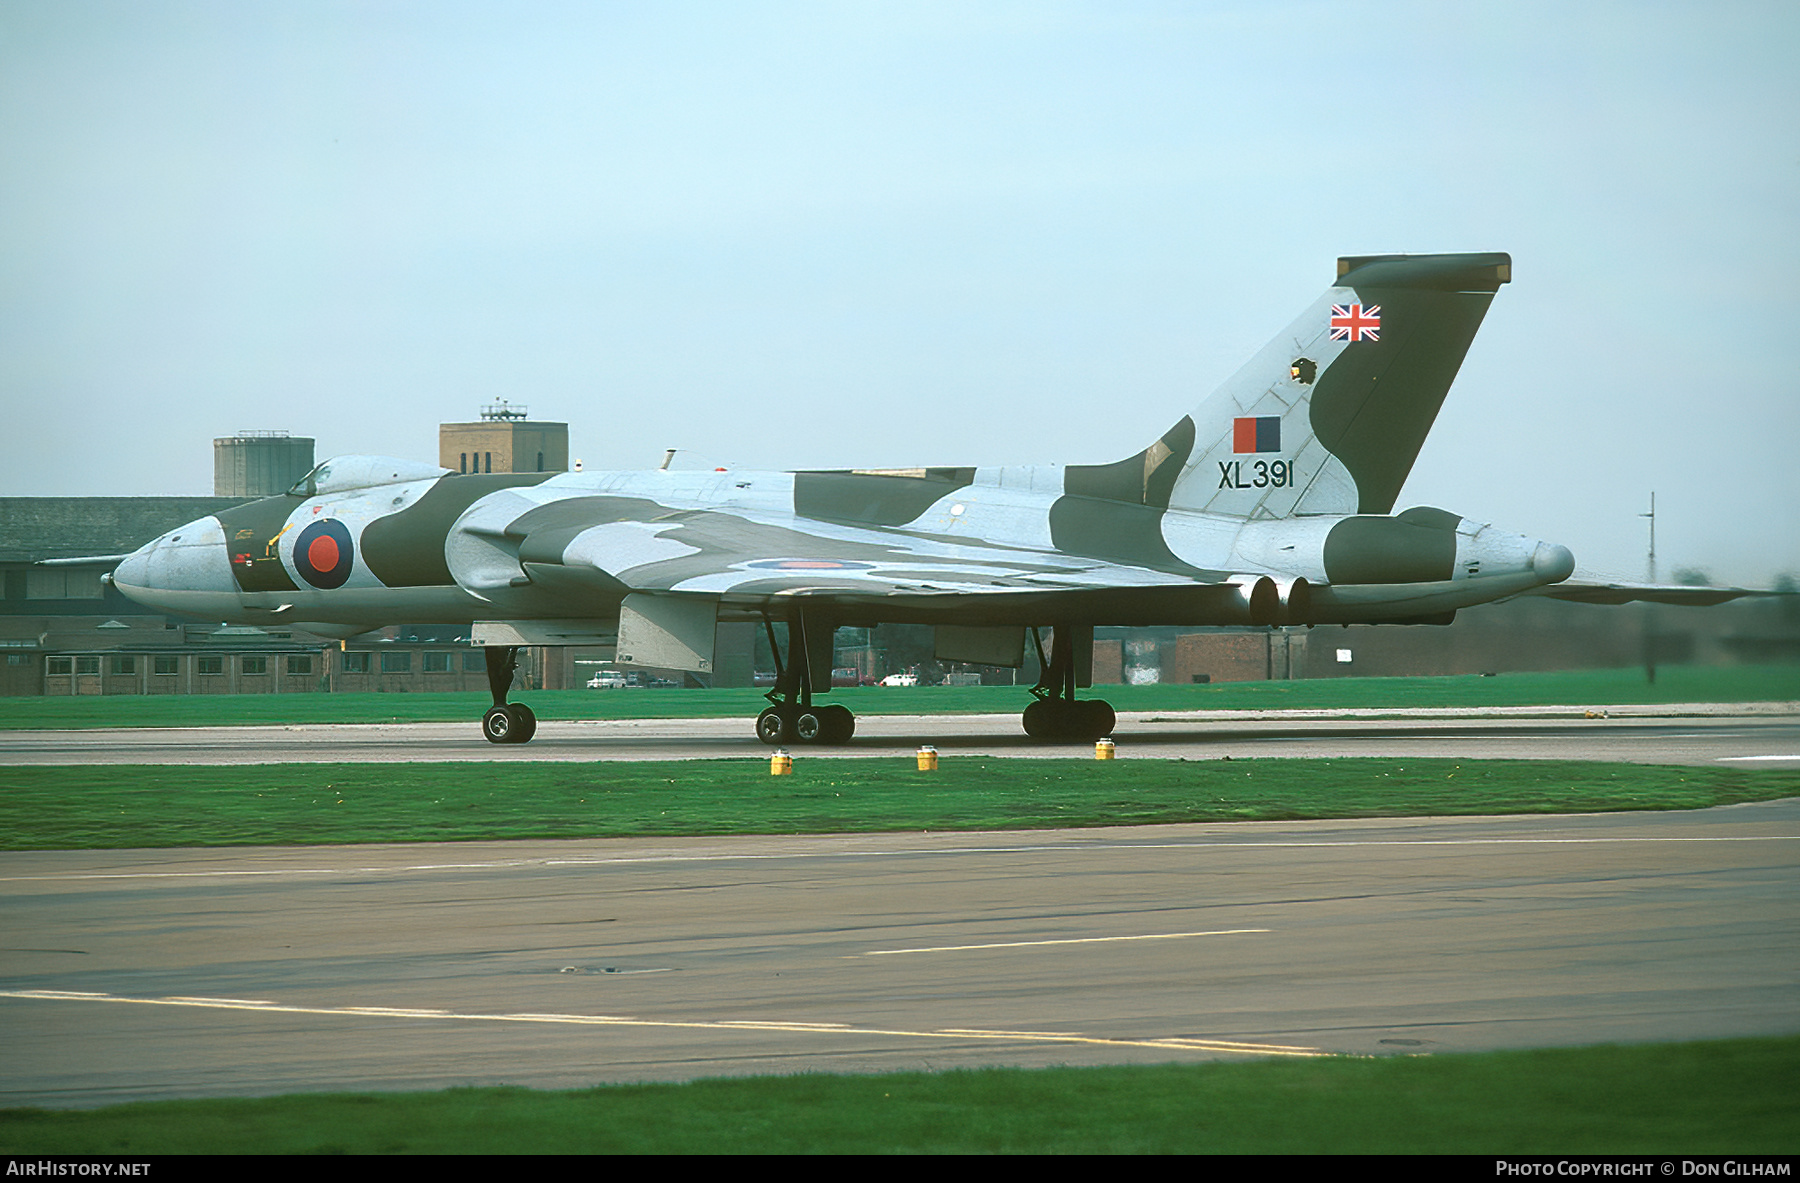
<point x="1767" y="735"/>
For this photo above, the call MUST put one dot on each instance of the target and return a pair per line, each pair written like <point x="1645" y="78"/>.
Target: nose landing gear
<point x="505" y="722"/>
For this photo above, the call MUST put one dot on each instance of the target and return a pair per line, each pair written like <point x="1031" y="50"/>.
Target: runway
<point x="147" y="974"/>
<point x="172" y="973"/>
<point x="1757" y="735"/>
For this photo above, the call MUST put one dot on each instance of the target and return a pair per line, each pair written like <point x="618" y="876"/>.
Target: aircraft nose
<point x="1555" y="563"/>
<point x="167" y="573"/>
<point x="135" y="568"/>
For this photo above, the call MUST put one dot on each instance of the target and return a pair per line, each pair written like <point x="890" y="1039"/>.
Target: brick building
<point x="504" y="440"/>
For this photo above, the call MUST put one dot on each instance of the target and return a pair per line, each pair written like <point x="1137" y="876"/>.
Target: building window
<point x="436" y="663"/>
<point x="16" y="659"/>
<point x="356" y="663"/>
<point x="475" y="659"/>
<point x="255" y="665"/>
<point x="397" y="663"/>
<point x="124" y="665"/>
<point x="540" y="462"/>
<point x="87" y="665"/>
<point x="490" y="460"/>
<point x="209" y="665"/>
<point x="299" y="663"/>
<point x="59" y="667"/>
<point x="167" y="665"/>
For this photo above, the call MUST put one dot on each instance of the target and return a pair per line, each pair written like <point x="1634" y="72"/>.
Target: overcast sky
<point x="865" y="234"/>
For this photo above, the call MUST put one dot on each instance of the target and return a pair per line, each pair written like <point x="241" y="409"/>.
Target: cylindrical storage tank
<point x="259" y="463"/>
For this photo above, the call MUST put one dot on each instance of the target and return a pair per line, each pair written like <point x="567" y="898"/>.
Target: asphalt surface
<point x="143" y="974"/>
<point x="1761" y="735"/>
<point x="148" y="974"/>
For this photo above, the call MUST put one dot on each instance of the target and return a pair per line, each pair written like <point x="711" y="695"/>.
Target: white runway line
<point x="1150" y="936"/>
<point x="922" y="852"/>
<point x="915" y="854"/>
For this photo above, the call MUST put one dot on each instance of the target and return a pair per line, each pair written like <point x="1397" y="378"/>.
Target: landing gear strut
<point x="1056" y="714"/>
<point x="505" y="722"/>
<point x="791" y="716"/>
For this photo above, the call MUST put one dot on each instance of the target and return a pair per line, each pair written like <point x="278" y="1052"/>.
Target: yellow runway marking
<point x="1173" y="1043"/>
<point x="1149" y="936"/>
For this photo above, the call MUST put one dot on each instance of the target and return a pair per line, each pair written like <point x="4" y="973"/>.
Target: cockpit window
<point x="343" y="473"/>
<point x="308" y="485"/>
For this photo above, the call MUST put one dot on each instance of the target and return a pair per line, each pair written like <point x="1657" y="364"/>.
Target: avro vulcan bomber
<point x="1270" y="504"/>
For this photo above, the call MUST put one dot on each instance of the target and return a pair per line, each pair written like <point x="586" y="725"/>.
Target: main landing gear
<point x="1057" y="714"/>
<point x="505" y="722"/>
<point x="791" y="716"/>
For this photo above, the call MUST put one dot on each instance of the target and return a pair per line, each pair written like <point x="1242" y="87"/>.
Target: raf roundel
<point x="323" y="554"/>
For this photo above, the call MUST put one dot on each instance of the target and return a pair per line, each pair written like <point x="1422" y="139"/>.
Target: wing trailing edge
<point x="1580" y="591"/>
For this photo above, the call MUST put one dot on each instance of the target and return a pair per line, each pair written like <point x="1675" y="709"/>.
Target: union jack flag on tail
<point x="1353" y="322"/>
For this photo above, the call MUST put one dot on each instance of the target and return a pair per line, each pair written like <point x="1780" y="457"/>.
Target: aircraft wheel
<point x="772" y="727"/>
<point x="1097" y="718"/>
<point x="1054" y="719"/>
<point x="524" y="722"/>
<point x="810" y="726"/>
<point x="840" y="723"/>
<point x="497" y="726"/>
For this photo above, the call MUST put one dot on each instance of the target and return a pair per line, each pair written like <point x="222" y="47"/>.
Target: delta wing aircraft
<point x="1271" y="504"/>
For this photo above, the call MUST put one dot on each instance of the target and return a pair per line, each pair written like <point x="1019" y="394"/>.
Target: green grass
<point x="1725" y="1097"/>
<point x="1569" y="688"/>
<point x="60" y="808"/>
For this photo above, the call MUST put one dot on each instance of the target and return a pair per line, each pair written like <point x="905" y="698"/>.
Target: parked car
<point x="607" y="680"/>
<point x="900" y="680"/>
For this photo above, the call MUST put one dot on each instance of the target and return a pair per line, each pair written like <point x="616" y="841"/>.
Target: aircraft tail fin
<point x="1330" y="415"/>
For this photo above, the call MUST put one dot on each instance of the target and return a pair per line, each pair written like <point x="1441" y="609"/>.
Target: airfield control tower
<point x="504" y="440"/>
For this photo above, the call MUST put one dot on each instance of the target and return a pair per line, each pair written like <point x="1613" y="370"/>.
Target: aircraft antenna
<point x="1649" y="611"/>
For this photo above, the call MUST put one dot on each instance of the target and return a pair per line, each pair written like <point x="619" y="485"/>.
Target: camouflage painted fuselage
<point x="966" y="546"/>
<point x="1268" y="504"/>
